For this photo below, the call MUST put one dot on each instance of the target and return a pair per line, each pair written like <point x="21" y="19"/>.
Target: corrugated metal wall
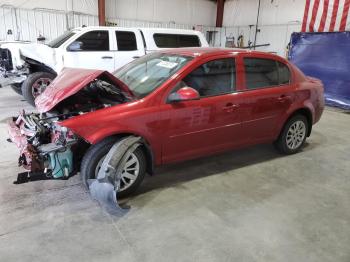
<point x="278" y="19"/>
<point x="28" y="24"/>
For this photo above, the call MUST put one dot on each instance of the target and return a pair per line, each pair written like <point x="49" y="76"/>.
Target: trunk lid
<point x="68" y="83"/>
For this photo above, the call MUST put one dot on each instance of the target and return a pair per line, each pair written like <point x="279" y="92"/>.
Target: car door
<point x="128" y="45"/>
<point x="91" y="50"/>
<point x="268" y="96"/>
<point x="209" y="124"/>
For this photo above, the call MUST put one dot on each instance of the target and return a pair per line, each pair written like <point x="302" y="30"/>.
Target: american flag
<point x="326" y="16"/>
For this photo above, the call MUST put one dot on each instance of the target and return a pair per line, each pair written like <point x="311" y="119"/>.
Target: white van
<point x="105" y="48"/>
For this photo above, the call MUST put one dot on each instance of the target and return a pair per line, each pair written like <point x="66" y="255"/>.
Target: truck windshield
<point x="145" y="74"/>
<point x="57" y="42"/>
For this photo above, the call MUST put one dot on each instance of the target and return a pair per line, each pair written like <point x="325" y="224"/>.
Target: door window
<point x="212" y="78"/>
<point x="94" y="41"/>
<point x="175" y="40"/>
<point x="126" y="41"/>
<point x="283" y="74"/>
<point x="260" y="73"/>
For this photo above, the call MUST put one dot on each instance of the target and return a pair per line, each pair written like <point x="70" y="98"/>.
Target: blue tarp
<point x="325" y="56"/>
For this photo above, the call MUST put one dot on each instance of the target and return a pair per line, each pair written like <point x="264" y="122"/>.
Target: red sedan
<point x="183" y="103"/>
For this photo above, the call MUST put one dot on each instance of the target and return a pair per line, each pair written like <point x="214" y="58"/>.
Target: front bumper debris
<point x="105" y="187"/>
<point x="52" y="160"/>
<point x="13" y="77"/>
<point x="27" y="152"/>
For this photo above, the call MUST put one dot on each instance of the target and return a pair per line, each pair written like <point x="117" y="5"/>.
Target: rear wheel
<point x="132" y="175"/>
<point x="17" y="88"/>
<point x="293" y="135"/>
<point x="35" y="84"/>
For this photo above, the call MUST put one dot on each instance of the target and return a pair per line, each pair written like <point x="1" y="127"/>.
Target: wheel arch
<point x="35" y="66"/>
<point x="146" y="148"/>
<point x="305" y="112"/>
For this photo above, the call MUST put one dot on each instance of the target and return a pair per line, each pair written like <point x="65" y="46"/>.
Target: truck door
<point x="128" y="45"/>
<point x="91" y="50"/>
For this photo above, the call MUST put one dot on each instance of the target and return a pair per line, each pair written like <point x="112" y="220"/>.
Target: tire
<point x="17" y="88"/>
<point x="28" y="88"/>
<point x="284" y="143"/>
<point x="94" y="155"/>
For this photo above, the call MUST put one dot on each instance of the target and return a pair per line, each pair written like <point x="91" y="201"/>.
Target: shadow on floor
<point x="175" y="174"/>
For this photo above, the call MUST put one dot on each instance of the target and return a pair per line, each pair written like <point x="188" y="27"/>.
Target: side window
<point x="189" y="41"/>
<point x="126" y="41"/>
<point x="260" y="73"/>
<point x="283" y="74"/>
<point x="213" y="78"/>
<point x="94" y="41"/>
<point x="174" y="40"/>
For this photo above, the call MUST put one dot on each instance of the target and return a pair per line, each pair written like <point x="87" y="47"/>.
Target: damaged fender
<point x="107" y="183"/>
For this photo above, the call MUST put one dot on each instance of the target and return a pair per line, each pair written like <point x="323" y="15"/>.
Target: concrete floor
<point x="248" y="205"/>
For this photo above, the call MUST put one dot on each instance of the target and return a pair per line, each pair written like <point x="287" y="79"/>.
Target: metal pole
<point x="219" y="12"/>
<point x="101" y="12"/>
<point x="257" y="23"/>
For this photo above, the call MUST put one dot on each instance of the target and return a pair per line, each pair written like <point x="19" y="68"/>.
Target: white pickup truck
<point x="30" y="68"/>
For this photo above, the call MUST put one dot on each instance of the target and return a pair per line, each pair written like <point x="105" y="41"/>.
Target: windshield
<point x="57" y="42"/>
<point x="145" y="74"/>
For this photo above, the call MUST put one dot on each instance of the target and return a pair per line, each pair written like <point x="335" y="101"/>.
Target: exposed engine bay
<point x="96" y="95"/>
<point x="49" y="148"/>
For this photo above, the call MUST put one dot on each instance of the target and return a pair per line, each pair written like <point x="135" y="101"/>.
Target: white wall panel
<point x="244" y="12"/>
<point x="83" y="6"/>
<point x="191" y="12"/>
<point x="28" y="24"/>
<point x="277" y="20"/>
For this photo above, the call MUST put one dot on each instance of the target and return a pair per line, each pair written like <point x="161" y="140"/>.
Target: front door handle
<point x="106" y="57"/>
<point x="136" y="57"/>
<point x="229" y="108"/>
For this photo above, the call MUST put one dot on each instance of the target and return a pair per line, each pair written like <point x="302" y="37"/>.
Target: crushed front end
<point x="45" y="147"/>
<point x="9" y="72"/>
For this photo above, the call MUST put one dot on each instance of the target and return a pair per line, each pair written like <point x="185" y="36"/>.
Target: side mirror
<point x="183" y="94"/>
<point x="75" y="46"/>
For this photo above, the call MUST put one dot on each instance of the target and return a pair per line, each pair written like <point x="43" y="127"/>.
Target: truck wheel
<point x="293" y="135"/>
<point x="133" y="173"/>
<point x="17" y="88"/>
<point x="35" y="84"/>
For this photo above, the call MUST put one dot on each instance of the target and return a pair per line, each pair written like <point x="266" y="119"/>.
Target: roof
<point x="209" y="51"/>
<point x="178" y="30"/>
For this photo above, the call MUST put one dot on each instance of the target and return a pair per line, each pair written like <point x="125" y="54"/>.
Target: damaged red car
<point x="183" y="104"/>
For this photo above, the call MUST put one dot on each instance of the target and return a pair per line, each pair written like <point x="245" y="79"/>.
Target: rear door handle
<point x="106" y="57"/>
<point x="229" y="108"/>
<point x="283" y="98"/>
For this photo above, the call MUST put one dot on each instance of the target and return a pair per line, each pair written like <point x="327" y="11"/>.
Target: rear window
<point x="126" y="41"/>
<point x="176" y="40"/>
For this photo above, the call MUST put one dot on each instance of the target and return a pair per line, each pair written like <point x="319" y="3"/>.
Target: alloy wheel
<point x="40" y="85"/>
<point x="129" y="174"/>
<point x="296" y="135"/>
